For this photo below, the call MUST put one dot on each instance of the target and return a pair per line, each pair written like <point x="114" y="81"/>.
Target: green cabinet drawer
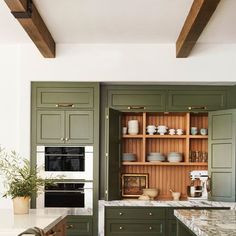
<point x="70" y="97"/>
<point x="196" y="100"/>
<point x="129" y="100"/>
<point x="135" y="213"/>
<point x="135" y="227"/>
<point x="79" y="225"/>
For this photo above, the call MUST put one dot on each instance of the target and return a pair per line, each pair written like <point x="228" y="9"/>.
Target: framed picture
<point x="133" y="184"/>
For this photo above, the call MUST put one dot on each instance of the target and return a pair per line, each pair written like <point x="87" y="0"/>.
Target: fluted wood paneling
<point x="166" y="177"/>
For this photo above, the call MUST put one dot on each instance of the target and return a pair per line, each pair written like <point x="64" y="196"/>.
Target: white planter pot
<point x="21" y="205"/>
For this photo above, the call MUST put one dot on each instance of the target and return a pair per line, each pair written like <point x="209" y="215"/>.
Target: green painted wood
<point x="79" y="225"/>
<point x="171" y="228"/>
<point x="113" y="155"/>
<point x="135" y="213"/>
<point x="135" y="227"/>
<point x="50" y="126"/>
<point x="78" y="97"/>
<point x="222" y="137"/>
<point x="199" y="100"/>
<point x="79" y="127"/>
<point x="182" y="230"/>
<point x="151" y="100"/>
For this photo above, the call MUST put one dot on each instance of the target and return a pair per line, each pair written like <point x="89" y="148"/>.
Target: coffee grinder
<point x="199" y="185"/>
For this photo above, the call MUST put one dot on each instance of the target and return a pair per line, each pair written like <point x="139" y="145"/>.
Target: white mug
<point x="171" y="131"/>
<point x="179" y="131"/>
<point x="124" y="130"/>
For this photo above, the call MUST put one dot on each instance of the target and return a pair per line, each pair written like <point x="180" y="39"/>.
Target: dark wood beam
<point x="197" y="19"/>
<point x="34" y="25"/>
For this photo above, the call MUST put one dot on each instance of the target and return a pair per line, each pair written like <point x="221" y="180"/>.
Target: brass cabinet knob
<point x="150" y="213"/>
<point x="120" y="227"/>
<point x="62" y="139"/>
<point x="121" y="214"/>
<point x="70" y="226"/>
<point x="150" y="227"/>
<point x="67" y="138"/>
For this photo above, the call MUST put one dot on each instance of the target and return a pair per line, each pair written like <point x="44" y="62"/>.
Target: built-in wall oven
<point x="67" y="195"/>
<point x="75" y="166"/>
<point x="71" y="162"/>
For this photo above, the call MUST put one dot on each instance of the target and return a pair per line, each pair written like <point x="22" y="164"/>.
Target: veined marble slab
<point x="195" y="203"/>
<point x="209" y="222"/>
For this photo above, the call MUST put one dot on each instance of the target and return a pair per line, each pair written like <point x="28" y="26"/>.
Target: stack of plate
<point x="174" y="157"/>
<point x="155" y="156"/>
<point x="129" y="157"/>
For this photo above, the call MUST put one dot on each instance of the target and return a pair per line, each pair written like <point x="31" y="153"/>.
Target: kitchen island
<point x="206" y="222"/>
<point x="155" y="217"/>
<point x="45" y="219"/>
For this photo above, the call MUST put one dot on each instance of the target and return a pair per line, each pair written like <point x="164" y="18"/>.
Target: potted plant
<point x="21" y="180"/>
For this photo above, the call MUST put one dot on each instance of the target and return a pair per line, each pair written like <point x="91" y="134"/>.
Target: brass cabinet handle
<point x="136" y="107"/>
<point x="121" y="228"/>
<point x="197" y="108"/>
<point x="70" y="226"/>
<point x="150" y="213"/>
<point x="150" y="227"/>
<point x="120" y="213"/>
<point x="65" y="105"/>
<point x="67" y="138"/>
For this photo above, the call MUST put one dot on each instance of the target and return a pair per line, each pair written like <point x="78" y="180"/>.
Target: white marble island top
<point x="45" y="219"/>
<point x="209" y="222"/>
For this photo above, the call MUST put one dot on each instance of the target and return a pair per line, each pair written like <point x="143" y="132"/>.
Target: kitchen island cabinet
<point x="117" y="217"/>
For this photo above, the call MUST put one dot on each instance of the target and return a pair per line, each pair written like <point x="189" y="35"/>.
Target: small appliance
<point x="199" y="185"/>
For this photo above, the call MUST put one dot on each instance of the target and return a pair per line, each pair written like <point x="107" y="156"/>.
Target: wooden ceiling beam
<point x="28" y="16"/>
<point x="197" y="19"/>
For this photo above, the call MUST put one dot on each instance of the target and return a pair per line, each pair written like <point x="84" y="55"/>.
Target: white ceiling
<point x="120" y="21"/>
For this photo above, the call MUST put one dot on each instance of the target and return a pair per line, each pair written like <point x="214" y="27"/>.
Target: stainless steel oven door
<point x="67" y="198"/>
<point x="86" y="174"/>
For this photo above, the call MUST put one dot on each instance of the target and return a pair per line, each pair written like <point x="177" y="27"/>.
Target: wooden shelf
<point x="164" y="163"/>
<point x="199" y="136"/>
<point x="132" y="136"/>
<point x="166" y="136"/>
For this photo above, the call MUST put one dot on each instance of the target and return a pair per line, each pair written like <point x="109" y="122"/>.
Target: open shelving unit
<point x="175" y="174"/>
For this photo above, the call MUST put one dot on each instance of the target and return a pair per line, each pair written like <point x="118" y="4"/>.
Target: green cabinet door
<point x="50" y="126"/>
<point x="222" y="144"/>
<point x="79" y="127"/>
<point x="79" y="226"/>
<point x="112" y="155"/>
<point x="171" y="228"/>
<point x="137" y="99"/>
<point x="196" y="100"/>
<point x="76" y="96"/>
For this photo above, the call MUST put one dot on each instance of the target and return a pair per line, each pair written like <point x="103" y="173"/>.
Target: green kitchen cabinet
<point x="171" y="228"/>
<point x="69" y="127"/>
<point x="182" y="230"/>
<point x="196" y="100"/>
<point x="222" y="156"/>
<point x="71" y="95"/>
<point x="79" y="226"/>
<point x="133" y="99"/>
<point x="129" y="221"/>
<point x="112" y="155"/>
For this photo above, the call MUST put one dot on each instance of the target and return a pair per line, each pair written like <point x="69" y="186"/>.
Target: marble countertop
<point x="45" y="219"/>
<point x="154" y="203"/>
<point x="209" y="222"/>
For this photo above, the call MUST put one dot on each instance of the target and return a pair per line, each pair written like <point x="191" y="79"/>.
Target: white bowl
<point x="151" y="192"/>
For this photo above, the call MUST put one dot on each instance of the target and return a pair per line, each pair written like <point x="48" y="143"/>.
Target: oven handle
<point x="64" y="191"/>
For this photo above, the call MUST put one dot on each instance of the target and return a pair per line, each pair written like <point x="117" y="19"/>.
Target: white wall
<point x="9" y="103"/>
<point x="108" y="63"/>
